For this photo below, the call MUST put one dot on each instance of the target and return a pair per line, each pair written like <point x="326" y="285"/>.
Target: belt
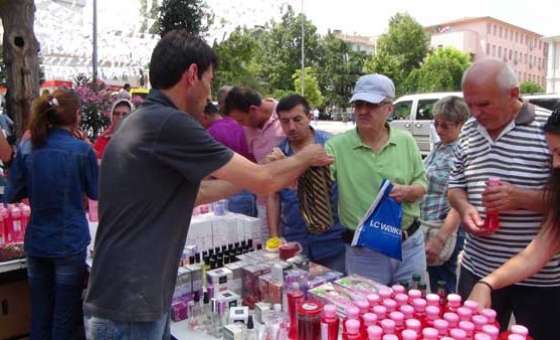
<point x="405" y="234"/>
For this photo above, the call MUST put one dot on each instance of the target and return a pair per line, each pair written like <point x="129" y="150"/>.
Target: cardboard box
<point x="15" y="309"/>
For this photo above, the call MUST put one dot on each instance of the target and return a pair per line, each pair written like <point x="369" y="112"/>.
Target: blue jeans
<point x="56" y="291"/>
<point x="244" y="203"/>
<point x="104" y="329"/>
<point x="386" y="270"/>
<point x="448" y="271"/>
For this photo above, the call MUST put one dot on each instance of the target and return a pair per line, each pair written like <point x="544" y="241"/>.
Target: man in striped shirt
<point x="504" y="139"/>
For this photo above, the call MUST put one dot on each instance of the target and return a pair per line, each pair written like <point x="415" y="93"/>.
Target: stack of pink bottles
<point x="13" y="222"/>
<point x="397" y="314"/>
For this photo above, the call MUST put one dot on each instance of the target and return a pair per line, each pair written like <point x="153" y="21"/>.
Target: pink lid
<point x="446" y="338"/>
<point x="432" y="311"/>
<point x="479" y="321"/>
<point x="452" y="318"/>
<point x="430" y="332"/>
<point x="432" y="299"/>
<point x="464" y="313"/>
<point x="388" y="325"/>
<point x="407" y="310"/>
<point x="329" y="310"/>
<point x="26" y="210"/>
<point x="386" y="293"/>
<point x="352" y="312"/>
<point x="390" y="304"/>
<point x="472" y="305"/>
<point x="363" y="306"/>
<point x="369" y="319"/>
<point x="380" y="311"/>
<point x="441" y="326"/>
<point x="458" y="333"/>
<point x="492" y="181"/>
<point x="466" y="326"/>
<point x="15" y="211"/>
<point x="374" y="331"/>
<point x="413" y="324"/>
<point x="409" y="334"/>
<point x="352" y="326"/>
<point x="518" y="329"/>
<point x="390" y="337"/>
<point x="398" y="289"/>
<point x="454" y="300"/>
<point x="373" y="299"/>
<point x="490" y="314"/>
<point x="491" y="330"/>
<point x="516" y="337"/>
<point x="419" y="304"/>
<point x="398" y="317"/>
<point x="482" y="336"/>
<point x="415" y="293"/>
<point x="401" y="298"/>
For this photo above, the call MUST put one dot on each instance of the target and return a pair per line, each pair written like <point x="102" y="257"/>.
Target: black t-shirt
<point x="150" y="176"/>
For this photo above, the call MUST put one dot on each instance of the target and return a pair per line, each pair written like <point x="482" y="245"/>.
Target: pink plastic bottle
<point x="482" y="336"/>
<point x="414" y="294"/>
<point x="452" y="319"/>
<point x="380" y="311"/>
<point x="329" y="323"/>
<point x="515" y="337"/>
<point x="420" y="309"/>
<point x="8" y="226"/>
<point x="468" y="327"/>
<point x="492" y="222"/>
<point x="370" y="319"/>
<point x="465" y="314"/>
<point x="295" y="297"/>
<point x="458" y="334"/>
<point x="409" y="334"/>
<point x="442" y="326"/>
<point x="491" y="330"/>
<point x="413" y="324"/>
<point x="352" y="330"/>
<point x="17" y="223"/>
<point x="401" y="298"/>
<point x="363" y="306"/>
<point x="352" y="313"/>
<point x="432" y="314"/>
<point x="453" y="302"/>
<point x="388" y="326"/>
<point x="472" y="305"/>
<point x="26" y="213"/>
<point x="2" y="229"/>
<point x="490" y="314"/>
<point x="390" y="337"/>
<point x="430" y="333"/>
<point x="432" y="300"/>
<point x="398" y="318"/>
<point x="375" y="333"/>
<point x="398" y="289"/>
<point x="390" y="304"/>
<point x="519" y="329"/>
<point x="479" y="322"/>
<point x="408" y="311"/>
<point x="373" y="300"/>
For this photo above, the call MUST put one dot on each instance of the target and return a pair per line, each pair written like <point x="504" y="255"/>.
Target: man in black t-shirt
<point x="151" y="178"/>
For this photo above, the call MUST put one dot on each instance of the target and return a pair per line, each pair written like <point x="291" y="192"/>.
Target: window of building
<point x="510" y="54"/>
<point x="493" y="50"/>
<point x="515" y="56"/>
<point x="488" y="28"/>
<point x="516" y="36"/>
<point x="501" y="32"/>
<point x="526" y="58"/>
<point x="487" y="48"/>
<point x="499" y="51"/>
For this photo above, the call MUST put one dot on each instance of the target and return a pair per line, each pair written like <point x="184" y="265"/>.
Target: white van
<point x="414" y="113"/>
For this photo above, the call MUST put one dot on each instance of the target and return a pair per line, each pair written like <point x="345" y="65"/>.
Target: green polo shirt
<point x="358" y="171"/>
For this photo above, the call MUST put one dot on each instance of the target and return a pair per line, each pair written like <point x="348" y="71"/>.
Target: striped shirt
<point x="521" y="157"/>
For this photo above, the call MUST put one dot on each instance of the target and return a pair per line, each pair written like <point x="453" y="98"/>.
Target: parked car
<point x="414" y="113"/>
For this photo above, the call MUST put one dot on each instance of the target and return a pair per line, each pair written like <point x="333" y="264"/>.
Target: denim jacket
<point x="55" y="177"/>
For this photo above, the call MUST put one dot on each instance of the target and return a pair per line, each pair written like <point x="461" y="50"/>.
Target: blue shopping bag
<point x="380" y="228"/>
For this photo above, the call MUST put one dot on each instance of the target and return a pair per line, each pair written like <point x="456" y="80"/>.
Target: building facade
<point x="553" y="65"/>
<point x="358" y="43"/>
<point x="488" y="37"/>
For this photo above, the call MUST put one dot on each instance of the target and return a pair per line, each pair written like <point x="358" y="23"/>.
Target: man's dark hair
<point x="289" y="102"/>
<point x="241" y="99"/>
<point x="173" y="55"/>
<point x="126" y="86"/>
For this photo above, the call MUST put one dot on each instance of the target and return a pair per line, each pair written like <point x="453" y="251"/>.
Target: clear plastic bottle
<point x="329" y="323"/>
<point x="491" y="315"/>
<point x="414" y="294"/>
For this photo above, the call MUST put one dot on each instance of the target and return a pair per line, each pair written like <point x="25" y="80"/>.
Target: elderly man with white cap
<point x="366" y="155"/>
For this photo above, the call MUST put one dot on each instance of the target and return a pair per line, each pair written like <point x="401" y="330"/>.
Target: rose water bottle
<point x="453" y="302"/>
<point x="373" y="300"/>
<point x="352" y="330"/>
<point x="409" y="334"/>
<point x="295" y="297"/>
<point x="352" y="313"/>
<point x="375" y="333"/>
<point x="329" y="323"/>
<point x="492" y="222"/>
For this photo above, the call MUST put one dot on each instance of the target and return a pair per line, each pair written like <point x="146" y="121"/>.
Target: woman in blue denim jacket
<point x="55" y="170"/>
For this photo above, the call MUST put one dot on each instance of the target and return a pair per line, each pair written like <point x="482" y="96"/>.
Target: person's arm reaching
<point x="518" y="268"/>
<point x="469" y="215"/>
<point x="435" y="245"/>
<point x="509" y="197"/>
<point x="214" y="190"/>
<point x="268" y="178"/>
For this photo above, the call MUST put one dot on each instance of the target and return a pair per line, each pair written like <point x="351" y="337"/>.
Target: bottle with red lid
<point x="294" y="297"/>
<point x="329" y="323"/>
<point x="309" y="320"/>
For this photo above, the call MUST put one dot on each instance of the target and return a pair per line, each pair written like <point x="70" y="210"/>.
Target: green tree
<point x="311" y="89"/>
<point x="144" y="15"/>
<point x="442" y="70"/>
<point x="530" y="87"/>
<point x="280" y="44"/>
<point x="340" y="68"/>
<point x="194" y="16"/>
<point x="238" y="63"/>
<point x="400" y="50"/>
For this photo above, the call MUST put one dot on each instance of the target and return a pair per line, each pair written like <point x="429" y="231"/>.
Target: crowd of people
<point x="177" y="150"/>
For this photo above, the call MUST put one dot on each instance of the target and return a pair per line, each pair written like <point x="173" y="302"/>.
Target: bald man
<point x="504" y="139"/>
